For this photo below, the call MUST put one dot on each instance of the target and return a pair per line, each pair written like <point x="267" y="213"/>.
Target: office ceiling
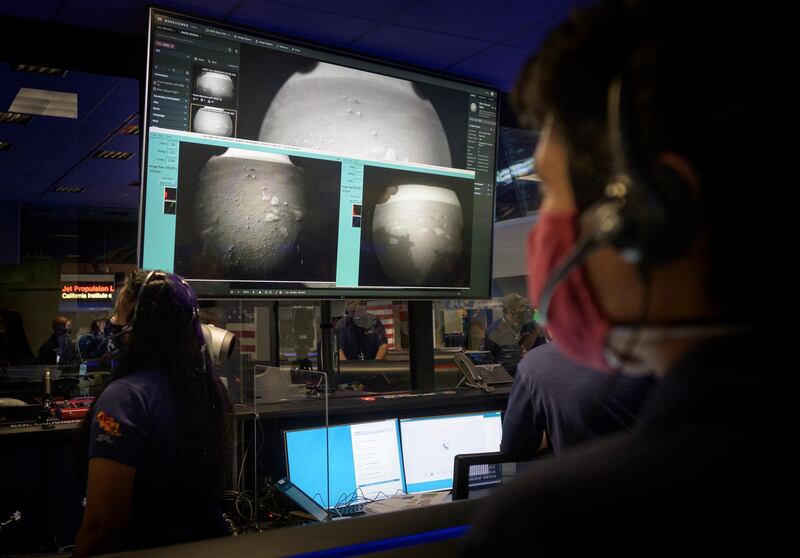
<point x="484" y="40"/>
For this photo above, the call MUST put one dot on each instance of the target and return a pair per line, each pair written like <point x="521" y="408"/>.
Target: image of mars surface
<point x="336" y="109"/>
<point x="417" y="229"/>
<point x="252" y="215"/>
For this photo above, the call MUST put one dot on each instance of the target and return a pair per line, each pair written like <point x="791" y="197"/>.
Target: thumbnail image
<point x="214" y="121"/>
<point x="332" y="108"/>
<point x="416" y="229"/>
<point x="250" y="215"/>
<point x="214" y="87"/>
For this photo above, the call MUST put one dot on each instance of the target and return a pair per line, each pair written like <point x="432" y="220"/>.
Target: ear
<point x="682" y="167"/>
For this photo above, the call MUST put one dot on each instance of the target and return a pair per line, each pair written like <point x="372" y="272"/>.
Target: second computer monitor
<point x="430" y="444"/>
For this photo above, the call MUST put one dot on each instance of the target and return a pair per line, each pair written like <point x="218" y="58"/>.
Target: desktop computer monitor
<point x="274" y="168"/>
<point x="430" y="444"/>
<point x="362" y="462"/>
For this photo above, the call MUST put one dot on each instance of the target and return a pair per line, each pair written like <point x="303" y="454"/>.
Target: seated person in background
<point x="59" y="347"/>
<point x="93" y="344"/>
<point x="504" y="336"/>
<point x="360" y="335"/>
<point x="159" y="436"/>
<point x="569" y="403"/>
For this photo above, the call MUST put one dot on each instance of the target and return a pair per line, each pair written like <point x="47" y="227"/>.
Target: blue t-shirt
<point x="570" y="402"/>
<point x="135" y="423"/>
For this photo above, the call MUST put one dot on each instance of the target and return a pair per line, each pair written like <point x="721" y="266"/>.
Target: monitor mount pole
<point x="326" y="353"/>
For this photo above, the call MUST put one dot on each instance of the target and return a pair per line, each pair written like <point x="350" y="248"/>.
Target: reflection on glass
<point x="517" y="182"/>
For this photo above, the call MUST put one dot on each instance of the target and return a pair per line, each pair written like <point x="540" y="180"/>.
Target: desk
<point x="38" y="477"/>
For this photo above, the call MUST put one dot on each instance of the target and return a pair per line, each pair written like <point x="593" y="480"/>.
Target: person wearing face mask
<point x="59" y="347"/>
<point x="648" y="238"/>
<point x="360" y="335"/>
<point x="93" y="344"/>
<point x="158" y="438"/>
<point x="504" y="336"/>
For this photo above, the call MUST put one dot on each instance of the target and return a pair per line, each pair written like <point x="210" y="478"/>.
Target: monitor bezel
<point x="401" y="293"/>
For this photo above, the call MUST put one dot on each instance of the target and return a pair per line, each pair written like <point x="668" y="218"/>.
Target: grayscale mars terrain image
<point x="248" y="215"/>
<point x="416" y="229"/>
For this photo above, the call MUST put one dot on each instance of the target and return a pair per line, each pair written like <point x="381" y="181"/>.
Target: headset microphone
<point x="602" y="224"/>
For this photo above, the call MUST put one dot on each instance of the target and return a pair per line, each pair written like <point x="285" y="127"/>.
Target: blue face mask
<point x="360" y="317"/>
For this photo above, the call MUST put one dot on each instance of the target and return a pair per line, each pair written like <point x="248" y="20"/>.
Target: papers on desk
<point x="407" y="502"/>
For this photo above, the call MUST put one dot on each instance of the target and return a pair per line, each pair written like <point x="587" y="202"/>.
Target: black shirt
<point x="710" y="469"/>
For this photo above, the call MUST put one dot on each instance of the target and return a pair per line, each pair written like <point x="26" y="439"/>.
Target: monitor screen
<point x="278" y="169"/>
<point x="363" y="461"/>
<point x="302" y="499"/>
<point x="430" y="445"/>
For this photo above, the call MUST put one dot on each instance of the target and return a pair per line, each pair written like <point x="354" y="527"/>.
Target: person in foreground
<point x="159" y="435"/>
<point x="649" y="242"/>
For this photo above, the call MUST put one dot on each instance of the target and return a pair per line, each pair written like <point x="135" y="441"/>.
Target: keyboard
<point x="496" y="375"/>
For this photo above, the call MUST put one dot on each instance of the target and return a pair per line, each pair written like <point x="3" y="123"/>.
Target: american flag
<point x="384" y="310"/>
<point x="246" y="333"/>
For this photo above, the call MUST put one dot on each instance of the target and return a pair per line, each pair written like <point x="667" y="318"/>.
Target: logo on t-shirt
<point x="108" y="424"/>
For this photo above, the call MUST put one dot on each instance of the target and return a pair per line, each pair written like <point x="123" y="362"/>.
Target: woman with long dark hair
<point x="159" y="435"/>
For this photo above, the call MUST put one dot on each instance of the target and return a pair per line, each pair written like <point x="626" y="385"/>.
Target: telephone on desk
<point x="480" y="370"/>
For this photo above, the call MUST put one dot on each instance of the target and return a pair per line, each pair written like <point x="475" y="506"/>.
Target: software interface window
<point x="277" y="169"/>
<point x="363" y="462"/>
<point x="374" y="460"/>
<point x="430" y="444"/>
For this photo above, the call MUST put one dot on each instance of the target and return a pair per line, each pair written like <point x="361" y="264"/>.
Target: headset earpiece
<point x="657" y="209"/>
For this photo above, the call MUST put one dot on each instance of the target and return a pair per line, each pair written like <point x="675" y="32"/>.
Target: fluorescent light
<point x="45" y="103"/>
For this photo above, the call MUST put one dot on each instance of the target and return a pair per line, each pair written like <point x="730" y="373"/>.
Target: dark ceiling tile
<point x="370" y="9"/>
<point x="479" y="19"/>
<point x="424" y="48"/>
<point x="36" y="9"/>
<point x="531" y="39"/>
<point x="498" y="65"/>
<point x="216" y="9"/>
<point x="304" y="23"/>
<point x="125" y="16"/>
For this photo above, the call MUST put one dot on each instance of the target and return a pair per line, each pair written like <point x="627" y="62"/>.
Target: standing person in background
<point x="93" y="344"/>
<point x="159" y="436"/>
<point x="361" y="336"/>
<point x="59" y="347"/>
<point x="504" y="337"/>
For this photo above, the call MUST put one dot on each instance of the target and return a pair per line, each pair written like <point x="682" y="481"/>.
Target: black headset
<point x="170" y="279"/>
<point x="648" y="211"/>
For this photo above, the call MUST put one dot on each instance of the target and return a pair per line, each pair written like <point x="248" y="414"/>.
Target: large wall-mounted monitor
<point x="278" y="169"/>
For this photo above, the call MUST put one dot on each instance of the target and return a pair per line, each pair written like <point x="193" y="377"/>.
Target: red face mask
<point x="574" y="318"/>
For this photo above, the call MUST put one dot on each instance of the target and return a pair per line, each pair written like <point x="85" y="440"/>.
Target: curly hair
<point x="167" y="336"/>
